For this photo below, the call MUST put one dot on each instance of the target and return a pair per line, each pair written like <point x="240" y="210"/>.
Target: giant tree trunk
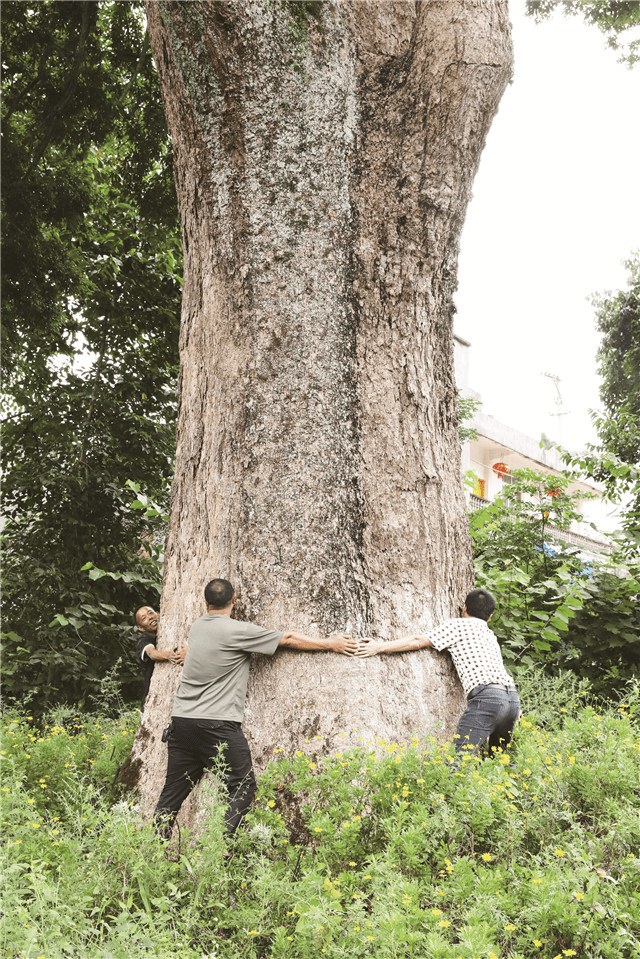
<point x="324" y="157"/>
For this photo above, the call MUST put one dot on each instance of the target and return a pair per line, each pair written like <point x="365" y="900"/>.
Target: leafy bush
<point x="602" y="643"/>
<point x="70" y="634"/>
<point x="554" y="608"/>
<point x="382" y="852"/>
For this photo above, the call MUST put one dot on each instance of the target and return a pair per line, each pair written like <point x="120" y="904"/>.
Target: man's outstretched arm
<point x="372" y="647"/>
<point x="175" y="656"/>
<point x="340" y="643"/>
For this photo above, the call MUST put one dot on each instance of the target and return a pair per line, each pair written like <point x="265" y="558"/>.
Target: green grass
<point x="387" y="854"/>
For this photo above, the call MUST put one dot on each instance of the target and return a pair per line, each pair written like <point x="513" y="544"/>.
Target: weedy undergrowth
<point x="386" y="852"/>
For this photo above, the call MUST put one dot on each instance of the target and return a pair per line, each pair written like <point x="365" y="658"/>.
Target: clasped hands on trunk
<point x="366" y="645"/>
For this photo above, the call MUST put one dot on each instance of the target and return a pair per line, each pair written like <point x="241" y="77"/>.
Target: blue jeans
<point x="194" y="747"/>
<point x="492" y="712"/>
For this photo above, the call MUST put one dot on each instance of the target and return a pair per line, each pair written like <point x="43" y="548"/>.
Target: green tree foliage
<point x="614" y="461"/>
<point x="91" y="298"/>
<point x="555" y="607"/>
<point x="77" y="78"/>
<point x="467" y="409"/>
<point x="618" y="319"/>
<point x="602" y="644"/>
<point x="614" y="18"/>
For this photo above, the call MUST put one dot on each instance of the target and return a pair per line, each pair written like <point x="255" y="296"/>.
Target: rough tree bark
<point x="324" y="157"/>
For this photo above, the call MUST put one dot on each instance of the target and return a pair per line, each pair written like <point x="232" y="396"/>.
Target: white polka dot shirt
<point x="474" y="650"/>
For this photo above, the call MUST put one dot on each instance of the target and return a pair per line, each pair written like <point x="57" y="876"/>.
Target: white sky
<point x="556" y="209"/>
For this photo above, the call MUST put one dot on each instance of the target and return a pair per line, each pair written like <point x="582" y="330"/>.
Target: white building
<point x="499" y="449"/>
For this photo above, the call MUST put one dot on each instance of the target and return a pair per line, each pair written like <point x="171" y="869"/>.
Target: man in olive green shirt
<point x="206" y="721"/>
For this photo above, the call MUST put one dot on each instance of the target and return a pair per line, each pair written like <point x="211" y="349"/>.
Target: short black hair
<point x="218" y="593"/>
<point x="480" y="604"/>
<point x="135" y="615"/>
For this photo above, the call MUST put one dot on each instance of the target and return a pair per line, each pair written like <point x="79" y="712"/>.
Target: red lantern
<point x="501" y="469"/>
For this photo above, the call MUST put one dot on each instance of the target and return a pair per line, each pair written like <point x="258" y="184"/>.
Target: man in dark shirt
<point x="147" y="655"/>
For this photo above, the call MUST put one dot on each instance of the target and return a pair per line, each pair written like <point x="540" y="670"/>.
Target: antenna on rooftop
<point x="558" y="401"/>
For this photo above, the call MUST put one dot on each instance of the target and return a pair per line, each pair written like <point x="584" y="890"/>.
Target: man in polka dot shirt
<point x="493" y="704"/>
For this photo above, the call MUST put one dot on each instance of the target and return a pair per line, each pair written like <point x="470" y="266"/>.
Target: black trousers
<point x="194" y="746"/>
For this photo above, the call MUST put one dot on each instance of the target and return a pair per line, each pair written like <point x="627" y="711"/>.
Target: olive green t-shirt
<point x="216" y="668"/>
